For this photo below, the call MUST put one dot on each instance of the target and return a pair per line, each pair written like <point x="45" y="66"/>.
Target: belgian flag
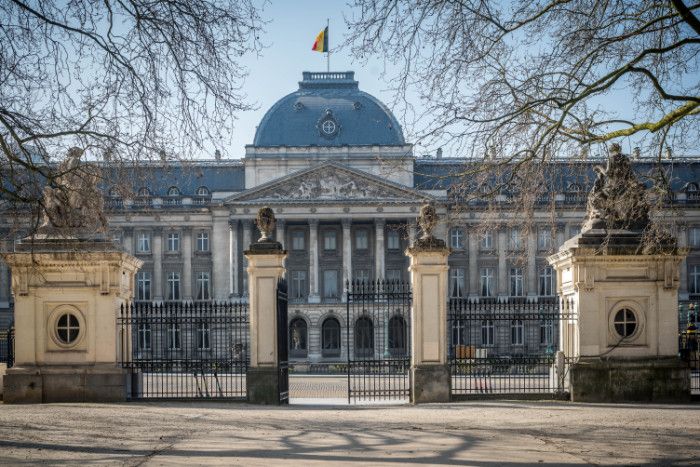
<point x="321" y="42"/>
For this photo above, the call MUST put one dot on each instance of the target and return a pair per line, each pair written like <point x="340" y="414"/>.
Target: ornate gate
<point x="282" y="343"/>
<point x="377" y="340"/>
<point x="178" y="350"/>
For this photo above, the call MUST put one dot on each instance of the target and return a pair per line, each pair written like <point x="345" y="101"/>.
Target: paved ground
<point x="477" y="433"/>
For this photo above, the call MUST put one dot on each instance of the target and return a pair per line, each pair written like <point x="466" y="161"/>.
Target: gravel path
<point x="476" y="433"/>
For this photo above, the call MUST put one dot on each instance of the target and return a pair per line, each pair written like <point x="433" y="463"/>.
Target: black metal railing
<point x="689" y="341"/>
<point x="282" y="343"/>
<point x="510" y="349"/>
<point x="7" y="347"/>
<point x="179" y="350"/>
<point x="377" y="340"/>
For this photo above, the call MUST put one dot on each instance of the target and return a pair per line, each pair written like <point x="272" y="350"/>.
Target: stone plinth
<point x="430" y="376"/>
<point x="265" y="268"/>
<point x="68" y="294"/>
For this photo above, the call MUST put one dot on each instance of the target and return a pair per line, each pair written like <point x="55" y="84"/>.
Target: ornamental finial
<point x="265" y="223"/>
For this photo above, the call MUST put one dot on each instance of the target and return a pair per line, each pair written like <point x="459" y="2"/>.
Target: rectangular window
<point x="487" y="332"/>
<point x="174" y="336"/>
<point x="144" y="243"/>
<point x="486" y="242"/>
<point x="516" y="240"/>
<point x="547" y="332"/>
<point x="299" y="284"/>
<point x="298" y="240"/>
<point x="173" y="286"/>
<point x="361" y="239"/>
<point x="544" y="239"/>
<point x="456" y="238"/>
<point x="457" y="283"/>
<point x="330" y="284"/>
<point x="694" y="237"/>
<point x="393" y="275"/>
<point x="203" y="286"/>
<point x="144" y="336"/>
<point x="393" y="240"/>
<point x="517" y="331"/>
<point x="487" y="282"/>
<point x="143" y="285"/>
<point x="361" y="275"/>
<point x="546" y="286"/>
<point x="330" y="240"/>
<point x="694" y="282"/>
<point x="173" y="243"/>
<point x="203" y="241"/>
<point x="574" y="230"/>
<point x="516" y="282"/>
<point x="202" y="335"/>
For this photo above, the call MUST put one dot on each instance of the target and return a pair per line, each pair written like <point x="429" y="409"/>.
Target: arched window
<point x="114" y="193"/>
<point x="298" y="338"/>
<point x="144" y="192"/>
<point x="202" y="191"/>
<point x="364" y="337"/>
<point x="173" y="191"/>
<point x="330" y="338"/>
<point x="397" y="336"/>
<point x="692" y="188"/>
<point x="574" y="187"/>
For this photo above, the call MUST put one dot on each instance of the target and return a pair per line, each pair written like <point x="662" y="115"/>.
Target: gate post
<point x="265" y="267"/>
<point x="430" y="374"/>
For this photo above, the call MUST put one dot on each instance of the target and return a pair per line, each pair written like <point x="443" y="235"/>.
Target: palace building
<point x="346" y="187"/>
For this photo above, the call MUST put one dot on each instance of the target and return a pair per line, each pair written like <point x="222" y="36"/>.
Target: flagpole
<point x="328" y="53"/>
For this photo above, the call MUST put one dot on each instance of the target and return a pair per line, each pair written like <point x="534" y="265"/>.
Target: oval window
<point x="625" y="322"/>
<point x="67" y="328"/>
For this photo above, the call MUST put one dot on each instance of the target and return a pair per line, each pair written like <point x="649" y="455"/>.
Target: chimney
<point x="217" y="155"/>
<point x="669" y="153"/>
<point x="637" y="153"/>
<point x="439" y="153"/>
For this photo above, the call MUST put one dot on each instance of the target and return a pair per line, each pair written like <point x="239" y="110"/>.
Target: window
<point x="486" y="241"/>
<point x="544" y="239"/>
<point x="487" y="332"/>
<point x="694" y="237"/>
<point x="329" y="240"/>
<point x="361" y="239"/>
<point x="173" y="241"/>
<point x="694" y="283"/>
<point x="516" y="332"/>
<point x="574" y="187"/>
<point x="456" y="238"/>
<point x="516" y="239"/>
<point x="457" y="282"/>
<point x="143" y="245"/>
<point x="67" y="328"/>
<point x="330" y="284"/>
<point x="174" y="336"/>
<point x="574" y="230"/>
<point x="144" y="336"/>
<point x="625" y="323"/>
<point x="203" y="286"/>
<point x="298" y="284"/>
<point x="297" y="338"/>
<point x="487" y="284"/>
<point x="397" y="336"/>
<point x="144" y="192"/>
<point x="173" y="191"/>
<point x="546" y="281"/>
<point x="516" y="282"/>
<point x="173" y="286"/>
<point x="459" y="333"/>
<point x="203" y="241"/>
<point x="143" y="285"/>
<point x="330" y="338"/>
<point x="393" y="275"/>
<point x="202" y="335"/>
<point x="202" y="191"/>
<point x="364" y="337"/>
<point x="547" y="332"/>
<point x="298" y="240"/>
<point x="393" y="241"/>
<point x="361" y="275"/>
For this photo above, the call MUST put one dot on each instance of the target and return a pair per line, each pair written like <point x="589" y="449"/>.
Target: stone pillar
<point x="473" y="240"/>
<point x="128" y="240"/>
<point x="379" y="249"/>
<point x="279" y="232"/>
<point x="158" y="264"/>
<point x="265" y="268"/>
<point x="412" y="228"/>
<point x="430" y="375"/>
<point x="187" y="263"/>
<point x="247" y="226"/>
<point x="502" y="286"/>
<point x="220" y="254"/>
<point x="4" y="285"/>
<point x="683" y="243"/>
<point x="347" y="254"/>
<point x="532" y="279"/>
<point x="233" y="250"/>
<point x="87" y="288"/>
<point x="314" y="296"/>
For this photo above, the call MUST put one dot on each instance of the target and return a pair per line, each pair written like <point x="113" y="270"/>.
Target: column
<point x="473" y="239"/>
<point x="128" y="240"/>
<point x="4" y="285"/>
<point x="430" y="375"/>
<point x="279" y="232"/>
<point x="233" y="251"/>
<point x="561" y="237"/>
<point x="379" y="249"/>
<point x="347" y="253"/>
<point x="220" y="254"/>
<point x="683" y="243"/>
<point x="531" y="264"/>
<point x="314" y="296"/>
<point x="187" y="263"/>
<point x="247" y="226"/>
<point x="502" y="265"/>
<point x="412" y="228"/>
<point x="158" y="264"/>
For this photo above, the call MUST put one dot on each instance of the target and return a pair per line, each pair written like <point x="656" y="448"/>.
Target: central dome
<point x="328" y="109"/>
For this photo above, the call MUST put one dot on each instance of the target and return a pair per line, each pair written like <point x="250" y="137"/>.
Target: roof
<point x="328" y="109"/>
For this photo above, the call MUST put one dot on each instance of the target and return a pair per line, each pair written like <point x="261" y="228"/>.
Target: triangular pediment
<point x="329" y="182"/>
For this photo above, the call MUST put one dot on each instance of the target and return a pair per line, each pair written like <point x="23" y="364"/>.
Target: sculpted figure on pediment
<point x="327" y="184"/>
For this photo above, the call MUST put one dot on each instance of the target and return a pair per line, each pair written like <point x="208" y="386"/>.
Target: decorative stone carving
<point x="75" y="204"/>
<point x="427" y="219"/>
<point x="265" y="223"/>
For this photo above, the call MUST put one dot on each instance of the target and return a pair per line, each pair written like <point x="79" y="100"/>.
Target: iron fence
<point x="179" y="350"/>
<point x="688" y="343"/>
<point x="510" y="349"/>
<point x="7" y="347"/>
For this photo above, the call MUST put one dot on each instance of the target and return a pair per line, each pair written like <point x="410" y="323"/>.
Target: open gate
<point x="377" y="340"/>
<point x="282" y="343"/>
